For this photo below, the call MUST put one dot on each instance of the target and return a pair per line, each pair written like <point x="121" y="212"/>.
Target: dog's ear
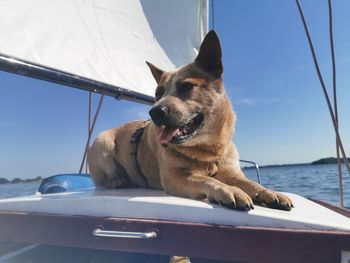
<point x="210" y="57"/>
<point x="156" y="72"/>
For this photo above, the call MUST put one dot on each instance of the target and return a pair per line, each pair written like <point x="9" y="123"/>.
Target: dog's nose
<point x="159" y="114"/>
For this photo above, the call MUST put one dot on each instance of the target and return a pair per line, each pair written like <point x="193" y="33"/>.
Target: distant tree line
<point x="329" y="160"/>
<point x="19" y="180"/>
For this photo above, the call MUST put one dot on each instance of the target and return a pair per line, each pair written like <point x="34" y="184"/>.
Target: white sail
<point x="104" y="40"/>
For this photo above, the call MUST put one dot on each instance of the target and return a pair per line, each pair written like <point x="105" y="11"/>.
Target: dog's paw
<point x="232" y="197"/>
<point x="274" y="200"/>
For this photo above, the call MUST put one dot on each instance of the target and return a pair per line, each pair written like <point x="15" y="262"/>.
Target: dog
<point x="186" y="149"/>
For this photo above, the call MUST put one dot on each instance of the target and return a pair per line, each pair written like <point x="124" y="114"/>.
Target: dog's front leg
<point x="200" y="186"/>
<point x="261" y="195"/>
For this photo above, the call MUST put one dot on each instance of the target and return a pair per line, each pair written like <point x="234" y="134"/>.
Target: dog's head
<point x="189" y="100"/>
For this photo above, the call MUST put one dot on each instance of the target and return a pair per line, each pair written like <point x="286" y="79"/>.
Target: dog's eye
<point x="185" y="87"/>
<point x="159" y="94"/>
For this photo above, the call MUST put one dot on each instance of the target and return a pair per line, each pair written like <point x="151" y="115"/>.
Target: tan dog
<point x="187" y="148"/>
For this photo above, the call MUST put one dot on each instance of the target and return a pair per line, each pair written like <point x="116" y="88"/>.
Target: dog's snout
<point x="159" y="114"/>
<point x="164" y="111"/>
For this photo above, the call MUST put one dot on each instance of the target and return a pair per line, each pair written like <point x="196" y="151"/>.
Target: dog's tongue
<point x="167" y="134"/>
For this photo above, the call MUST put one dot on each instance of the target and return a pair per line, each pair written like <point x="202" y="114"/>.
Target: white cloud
<point x="270" y="100"/>
<point x="258" y="101"/>
<point x="301" y="67"/>
<point x="248" y="101"/>
<point x="6" y="124"/>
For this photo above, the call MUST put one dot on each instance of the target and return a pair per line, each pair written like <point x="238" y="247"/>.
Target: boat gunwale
<point x="180" y="223"/>
<point x="340" y="210"/>
<point x="177" y="238"/>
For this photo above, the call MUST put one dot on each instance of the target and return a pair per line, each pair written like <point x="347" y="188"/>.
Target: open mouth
<point x="180" y="134"/>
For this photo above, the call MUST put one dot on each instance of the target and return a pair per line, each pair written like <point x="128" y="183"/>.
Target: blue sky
<point x="268" y="73"/>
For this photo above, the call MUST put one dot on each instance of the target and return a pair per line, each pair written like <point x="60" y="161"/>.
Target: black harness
<point x="135" y="139"/>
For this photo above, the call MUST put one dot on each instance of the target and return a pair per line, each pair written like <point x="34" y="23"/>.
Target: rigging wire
<point x="89" y="125"/>
<point x="334" y="122"/>
<point x="335" y="104"/>
<point x="90" y="132"/>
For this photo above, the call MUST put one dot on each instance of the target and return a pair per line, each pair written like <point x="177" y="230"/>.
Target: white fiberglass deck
<point x="153" y="204"/>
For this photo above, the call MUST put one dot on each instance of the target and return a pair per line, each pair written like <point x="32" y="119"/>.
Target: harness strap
<point x="135" y="139"/>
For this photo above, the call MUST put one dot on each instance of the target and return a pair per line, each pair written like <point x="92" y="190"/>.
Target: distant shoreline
<point x="19" y="180"/>
<point x="328" y="160"/>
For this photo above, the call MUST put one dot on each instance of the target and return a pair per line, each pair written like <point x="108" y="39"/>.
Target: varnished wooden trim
<point x="246" y="244"/>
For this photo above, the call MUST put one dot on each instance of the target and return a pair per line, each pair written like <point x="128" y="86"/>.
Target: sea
<point x="311" y="181"/>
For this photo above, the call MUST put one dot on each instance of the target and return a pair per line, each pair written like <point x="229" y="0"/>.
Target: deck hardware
<point x="256" y="168"/>
<point x="123" y="234"/>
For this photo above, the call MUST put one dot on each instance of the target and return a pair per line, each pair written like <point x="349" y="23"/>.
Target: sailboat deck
<point x="156" y="205"/>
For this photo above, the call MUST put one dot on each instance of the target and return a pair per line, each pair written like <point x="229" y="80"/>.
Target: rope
<point x="335" y="104"/>
<point x="334" y="122"/>
<point x="90" y="133"/>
